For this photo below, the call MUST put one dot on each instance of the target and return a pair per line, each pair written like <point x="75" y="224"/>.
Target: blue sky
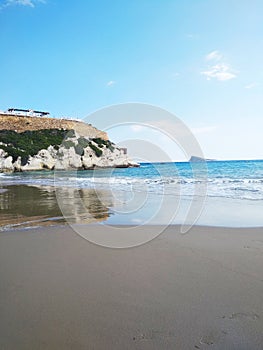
<point x="199" y="59"/>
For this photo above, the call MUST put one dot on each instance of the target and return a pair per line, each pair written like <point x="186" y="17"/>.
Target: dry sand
<point x="202" y="290"/>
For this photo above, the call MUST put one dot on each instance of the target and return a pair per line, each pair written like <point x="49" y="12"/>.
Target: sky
<point x="200" y="60"/>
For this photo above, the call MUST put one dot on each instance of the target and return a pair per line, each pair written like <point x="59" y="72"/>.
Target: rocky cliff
<point x="84" y="147"/>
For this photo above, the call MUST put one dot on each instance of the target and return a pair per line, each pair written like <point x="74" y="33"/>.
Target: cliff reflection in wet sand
<point x="27" y="206"/>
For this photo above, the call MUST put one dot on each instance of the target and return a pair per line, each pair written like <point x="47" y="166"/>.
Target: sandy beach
<point x="200" y="290"/>
<point x="131" y="175"/>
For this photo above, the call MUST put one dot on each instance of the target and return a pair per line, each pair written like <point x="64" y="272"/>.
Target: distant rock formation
<point x="200" y="159"/>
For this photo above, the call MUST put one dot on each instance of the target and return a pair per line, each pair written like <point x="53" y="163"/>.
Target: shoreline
<point x="37" y="205"/>
<point x="178" y="291"/>
<point x="66" y="225"/>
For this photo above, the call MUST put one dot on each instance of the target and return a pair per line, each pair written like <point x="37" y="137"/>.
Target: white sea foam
<point x="236" y="180"/>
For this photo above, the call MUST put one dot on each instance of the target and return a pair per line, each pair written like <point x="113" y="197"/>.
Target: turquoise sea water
<point x="223" y="193"/>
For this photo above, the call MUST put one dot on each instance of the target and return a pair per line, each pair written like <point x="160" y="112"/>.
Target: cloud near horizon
<point x="219" y="70"/>
<point x="28" y="3"/>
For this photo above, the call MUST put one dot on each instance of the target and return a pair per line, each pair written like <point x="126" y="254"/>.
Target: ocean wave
<point x="237" y="185"/>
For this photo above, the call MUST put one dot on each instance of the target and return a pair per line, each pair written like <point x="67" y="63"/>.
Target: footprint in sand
<point x="208" y="339"/>
<point x="252" y="248"/>
<point x="211" y="338"/>
<point x="153" y="334"/>
<point x="244" y="315"/>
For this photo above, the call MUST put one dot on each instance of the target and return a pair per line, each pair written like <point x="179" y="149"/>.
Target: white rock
<point x="89" y="158"/>
<point x="48" y="162"/>
<point x="42" y="160"/>
<point x="52" y="151"/>
<point x="33" y="164"/>
<point x="6" y="164"/>
<point x="17" y="164"/>
<point x="117" y="158"/>
<point x="68" y="159"/>
<point x="3" y="153"/>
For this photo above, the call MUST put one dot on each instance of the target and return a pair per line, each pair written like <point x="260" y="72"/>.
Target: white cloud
<point x="214" y="56"/>
<point x="111" y="83"/>
<point x="221" y="72"/>
<point x="29" y="3"/>
<point x="251" y="86"/>
<point x="218" y="69"/>
<point x="25" y="3"/>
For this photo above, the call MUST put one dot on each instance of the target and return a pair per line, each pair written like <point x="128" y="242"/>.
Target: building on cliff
<point x="25" y="112"/>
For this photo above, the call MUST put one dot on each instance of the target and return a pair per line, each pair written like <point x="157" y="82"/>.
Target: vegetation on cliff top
<point x="30" y="142"/>
<point x="100" y="142"/>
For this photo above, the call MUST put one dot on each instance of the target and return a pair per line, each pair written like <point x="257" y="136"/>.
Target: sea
<point x="217" y="193"/>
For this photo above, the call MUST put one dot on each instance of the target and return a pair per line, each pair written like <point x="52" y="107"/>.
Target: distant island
<point x="30" y="141"/>
<point x="200" y="159"/>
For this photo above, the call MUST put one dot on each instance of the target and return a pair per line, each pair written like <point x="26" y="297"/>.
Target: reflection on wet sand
<point x="84" y="205"/>
<point x="27" y="206"/>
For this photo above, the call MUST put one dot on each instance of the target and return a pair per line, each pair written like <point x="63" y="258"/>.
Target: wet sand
<point x="24" y="206"/>
<point x="200" y="290"/>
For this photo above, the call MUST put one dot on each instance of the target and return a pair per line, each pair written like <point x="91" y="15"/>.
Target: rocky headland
<point x="36" y="143"/>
